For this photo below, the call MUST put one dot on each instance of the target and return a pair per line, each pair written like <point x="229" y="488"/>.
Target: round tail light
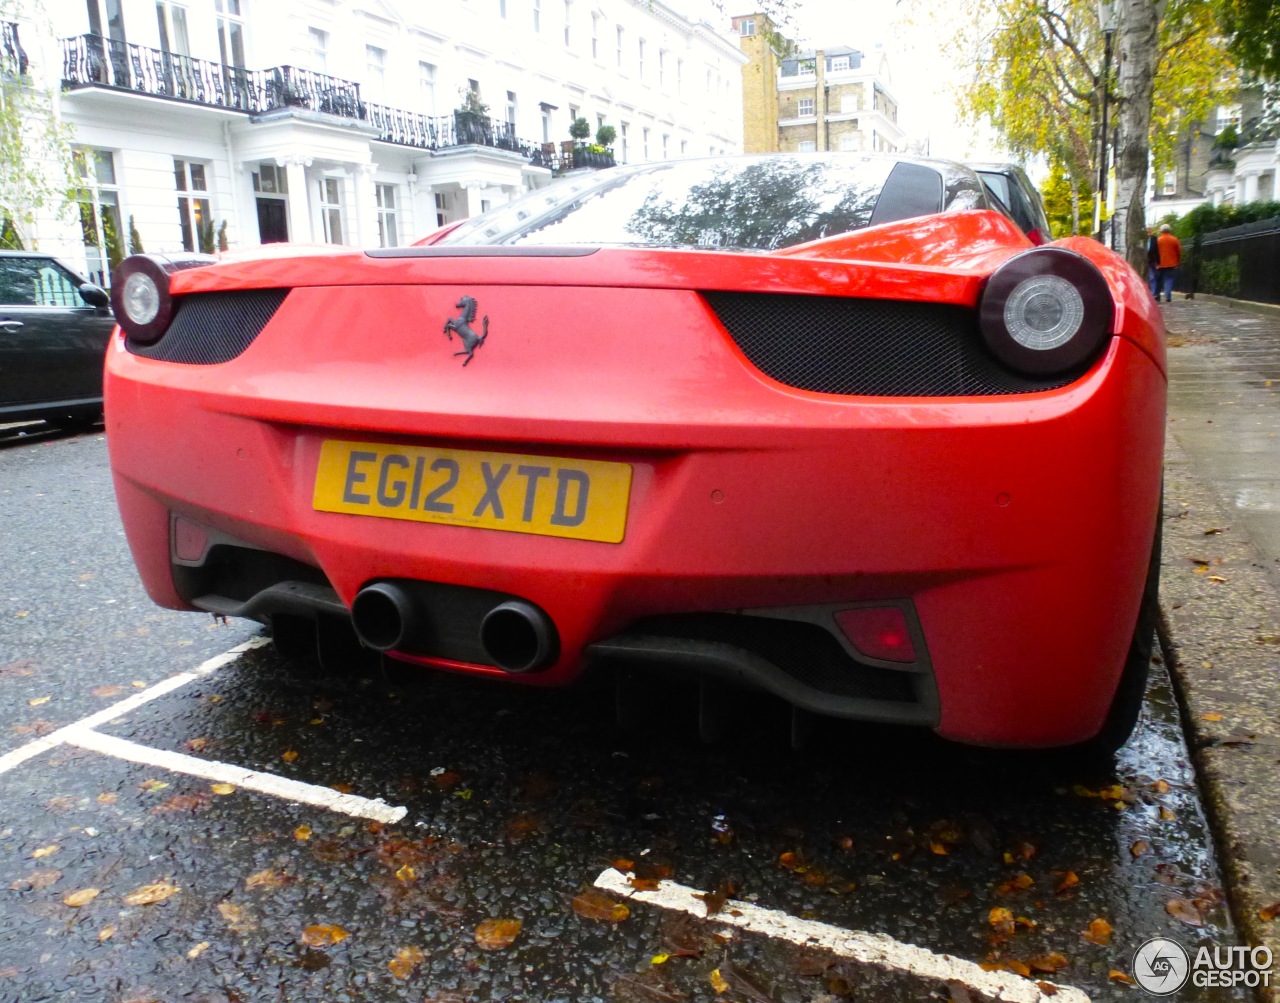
<point x="140" y="296"/>
<point x="1046" y="311"/>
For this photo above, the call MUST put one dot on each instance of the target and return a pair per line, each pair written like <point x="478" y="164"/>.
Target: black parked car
<point x="1018" y="198"/>
<point x="54" y="328"/>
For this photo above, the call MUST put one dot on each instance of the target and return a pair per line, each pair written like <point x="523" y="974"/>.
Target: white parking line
<point x="876" y="949"/>
<point x="264" y="783"/>
<point x="55" y="738"/>
<point x="82" y="735"/>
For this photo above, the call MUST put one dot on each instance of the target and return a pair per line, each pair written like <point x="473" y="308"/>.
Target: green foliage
<point x="204" y="234"/>
<point x="9" y="239"/>
<point x="1208" y="218"/>
<point x="471" y="103"/>
<point x="1227" y="139"/>
<point x="605" y="135"/>
<point x="135" y="238"/>
<point x="223" y="243"/>
<point x="1220" y="276"/>
<point x="111" y="234"/>
<point x="1068" y="213"/>
<point x="580" y="129"/>
<point x="1252" y="28"/>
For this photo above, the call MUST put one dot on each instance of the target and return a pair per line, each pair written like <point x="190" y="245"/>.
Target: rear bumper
<point x="1019" y="528"/>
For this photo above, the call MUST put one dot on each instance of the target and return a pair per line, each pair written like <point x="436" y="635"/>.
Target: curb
<point x="1248" y="306"/>
<point x="1220" y="633"/>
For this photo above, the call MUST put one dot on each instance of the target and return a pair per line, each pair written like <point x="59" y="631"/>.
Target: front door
<point x="273" y="222"/>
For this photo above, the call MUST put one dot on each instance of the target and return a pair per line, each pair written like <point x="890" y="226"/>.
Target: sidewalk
<point x="1220" y="587"/>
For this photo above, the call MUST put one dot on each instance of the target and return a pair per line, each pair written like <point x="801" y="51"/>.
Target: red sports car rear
<point x="903" y="468"/>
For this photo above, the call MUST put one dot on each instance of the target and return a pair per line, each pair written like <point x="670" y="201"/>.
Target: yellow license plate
<point x="543" y="495"/>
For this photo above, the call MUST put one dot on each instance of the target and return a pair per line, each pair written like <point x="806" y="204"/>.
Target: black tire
<point x="1126" y="705"/>
<point x="73" y="423"/>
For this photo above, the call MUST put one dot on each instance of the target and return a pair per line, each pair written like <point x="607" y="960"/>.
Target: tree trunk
<point x="1138" y="37"/>
<point x="1075" y="207"/>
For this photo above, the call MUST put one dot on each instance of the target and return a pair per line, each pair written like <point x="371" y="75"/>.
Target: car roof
<point x="25" y="254"/>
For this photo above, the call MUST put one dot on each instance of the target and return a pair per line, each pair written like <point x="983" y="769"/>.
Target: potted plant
<point x="580" y="129"/>
<point x="605" y="136"/>
<point x="471" y="119"/>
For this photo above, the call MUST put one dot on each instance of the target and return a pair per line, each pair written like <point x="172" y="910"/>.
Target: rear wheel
<point x="1126" y="705"/>
<point x="73" y="422"/>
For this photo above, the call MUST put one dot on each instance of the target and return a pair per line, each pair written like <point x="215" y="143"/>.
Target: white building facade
<point x="208" y="122"/>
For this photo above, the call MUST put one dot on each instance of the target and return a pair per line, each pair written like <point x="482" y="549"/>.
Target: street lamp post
<point x="1107" y="21"/>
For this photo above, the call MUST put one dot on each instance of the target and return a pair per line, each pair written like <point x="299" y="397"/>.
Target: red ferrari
<point x="825" y="426"/>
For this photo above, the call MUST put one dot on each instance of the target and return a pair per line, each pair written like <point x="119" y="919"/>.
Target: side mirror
<point x="95" y="296"/>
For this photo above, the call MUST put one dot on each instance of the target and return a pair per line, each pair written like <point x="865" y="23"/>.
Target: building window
<point x="806" y="146"/>
<point x="427" y="86"/>
<point x="850" y="142"/>
<point x="619" y="36"/>
<point x="662" y="68"/>
<point x="665" y="139"/>
<point x="486" y="205"/>
<point x="624" y="127"/>
<point x="684" y="147"/>
<point x="172" y="19"/>
<point x="595" y="36"/>
<point x="331" y="209"/>
<point x="98" y="196"/>
<point x="502" y="9"/>
<point x="568" y="11"/>
<point x="231" y="33"/>
<point x="387" y="230"/>
<point x="839" y="63"/>
<point x="1228" y="115"/>
<point x="1171" y="183"/>
<point x="807" y="68"/>
<point x="640" y="59"/>
<point x="375" y="61"/>
<point x="318" y="49"/>
<point x="644" y="135"/>
<point x="546" y="124"/>
<point x="679" y="76"/>
<point x="747" y="26"/>
<point x="537" y="15"/>
<point x="442" y="208"/>
<point x="271" y="189"/>
<point x="806" y="107"/>
<point x="848" y="103"/>
<point x="194" y="216"/>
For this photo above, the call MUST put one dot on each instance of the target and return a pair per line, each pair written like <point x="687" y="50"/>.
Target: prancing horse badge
<point x="462" y="324"/>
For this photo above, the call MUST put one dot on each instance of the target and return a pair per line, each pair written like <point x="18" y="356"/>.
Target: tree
<point x="1064" y="199"/>
<point x="223" y="243"/>
<point x="579" y="129"/>
<point x="1037" y="76"/>
<point x="1253" y="30"/>
<point x="135" y="238"/>
<point x="605" y="135"/>
<point x="35" y="153"/>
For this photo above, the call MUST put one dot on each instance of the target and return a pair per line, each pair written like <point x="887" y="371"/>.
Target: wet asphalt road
<point x="516" y="800"/>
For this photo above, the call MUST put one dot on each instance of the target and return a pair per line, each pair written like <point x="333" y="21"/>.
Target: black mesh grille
<point x="213" y="327"/>
<point x="877" y="348"/>
<point x="804" y="651"/>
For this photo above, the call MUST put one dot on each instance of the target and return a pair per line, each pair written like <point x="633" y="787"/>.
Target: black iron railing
<point x="95" y="61"/>
<point x="12" y="55"/>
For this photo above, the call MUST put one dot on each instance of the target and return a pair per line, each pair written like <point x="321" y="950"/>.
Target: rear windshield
<point x="741" y="203"/>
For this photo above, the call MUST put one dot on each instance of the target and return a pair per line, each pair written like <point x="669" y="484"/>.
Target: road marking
<point x="264" y="783"/>
<point x="876" y="949"/>
<point x="82" y="735"/>
<point x="55" y="738"/>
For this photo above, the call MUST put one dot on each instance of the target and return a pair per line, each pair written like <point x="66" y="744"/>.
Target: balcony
<point x="12" y="56"/>
<point x="95" y="61"/>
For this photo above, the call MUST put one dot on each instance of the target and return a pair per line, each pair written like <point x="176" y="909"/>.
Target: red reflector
<point x="189" y="540"/>
<point x="878" y="632"/>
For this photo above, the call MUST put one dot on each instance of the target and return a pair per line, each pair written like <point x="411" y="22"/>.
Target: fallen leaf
<point x="302" y="833"/>
<point x="323" y="934"/>
<point x="151" y="894"/>
<point x="1210" y="717"/>
<point x="36" y="880"/>
<point x="102" y="692"/>
<point x="714" y="901"/>
<point x="659" y="959"/>
<point x="1020" y="883"/>
<point x="152" y="785"/>
<point x="1118" y="976"/>
<point x="198" y="950"/>
<point x="289" y="755"/>
<point x="44" y="851"/>
<point x="180" y="802"/>
<point x="938" y="849"/>
<point x="196" y="744"/>
<point x="1048" y="988"/>
<point x="1001" y="921"/>
<point x="223" y="789"/>
<point x="791" y="861"/>
<point x="405" y="961"/>
<point x="623" y="865"/>
<point x="1216" y="578"/>
<point x="38" y="701"/>
<point x="598" y="905"/>
<point x="1161" y="787"/>
<point x="1069" y="880"/>
<point x="269" y="878"/>
<point x="446" y="780"/>
<point x="1269" y="912"/>
<point x="717" y="982"/>
<point x="1185" y="911"/>
<point x="406" y="873"/>
<point x="236" y="917"/>
<point x="1140" y="847"/>
<point x="107" y="797"/>
<point x="107" y="932"/>
<point x="1019" y="968"/>
<point x="495" y="934"/>
<point x="83" y="897"/>
<point x="1099" y="932"/>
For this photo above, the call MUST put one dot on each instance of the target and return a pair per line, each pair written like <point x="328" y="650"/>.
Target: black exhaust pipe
<point x="519" y="637"/>
<point x="387" y="617"/>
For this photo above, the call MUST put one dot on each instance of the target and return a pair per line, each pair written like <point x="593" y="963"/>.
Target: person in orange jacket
<point x="1169" y="249"/>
